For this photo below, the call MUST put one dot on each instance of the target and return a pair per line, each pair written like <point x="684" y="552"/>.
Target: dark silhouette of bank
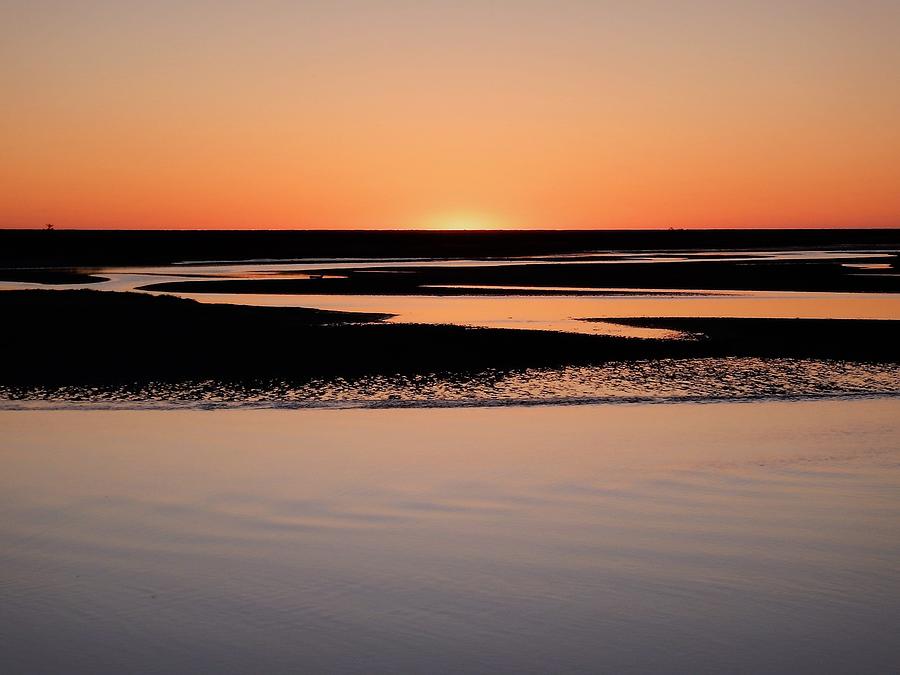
<point x="80" y="337"/>
<point x="86" y="248"/>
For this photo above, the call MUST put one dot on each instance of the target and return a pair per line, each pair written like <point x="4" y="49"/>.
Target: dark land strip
<point x="51" y="276"/>
<point x="851" y="339"/>
<point x="763" y="275"/>
<point x="94" y="248"/>
<point x="93" y="337"/>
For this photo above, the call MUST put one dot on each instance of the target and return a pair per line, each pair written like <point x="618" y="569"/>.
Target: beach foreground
<point x="718" y="537"/>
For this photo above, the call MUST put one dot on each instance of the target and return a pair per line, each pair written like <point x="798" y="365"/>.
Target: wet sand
<point x="708" y="538"/>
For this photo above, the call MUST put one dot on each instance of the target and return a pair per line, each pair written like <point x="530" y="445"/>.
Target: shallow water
<point x="659" y="380"/>
<point x="727" y="537"/>
<point x="563" y="313"/>
<point x="520" y="309"/>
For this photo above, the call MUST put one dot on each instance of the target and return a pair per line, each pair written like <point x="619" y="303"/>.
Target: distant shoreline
<point x="85" y="248"/>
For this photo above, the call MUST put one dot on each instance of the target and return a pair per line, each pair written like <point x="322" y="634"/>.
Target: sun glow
<point x="556" y="114"/>
<point x="464" y="221"/>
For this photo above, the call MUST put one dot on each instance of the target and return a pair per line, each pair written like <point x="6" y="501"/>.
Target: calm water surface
<point x="694" y="538"/>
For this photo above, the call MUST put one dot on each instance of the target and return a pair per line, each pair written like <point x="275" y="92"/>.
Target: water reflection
<point x="668" y="538"/>
<point x="518" y="309"/>
<point x="563" y="312"/>
<point x="657" y="380"/>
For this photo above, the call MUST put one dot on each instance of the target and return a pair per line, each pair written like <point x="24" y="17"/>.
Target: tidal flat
<point x="429" y="453"/>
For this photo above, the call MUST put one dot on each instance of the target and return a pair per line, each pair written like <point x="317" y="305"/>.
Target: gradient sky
<point x="382" y="113"/>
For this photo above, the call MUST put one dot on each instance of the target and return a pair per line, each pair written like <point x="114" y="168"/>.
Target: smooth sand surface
<point x="727" y="537"/>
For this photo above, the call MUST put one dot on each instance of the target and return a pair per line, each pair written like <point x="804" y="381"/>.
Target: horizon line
<point x="457" y="231"/>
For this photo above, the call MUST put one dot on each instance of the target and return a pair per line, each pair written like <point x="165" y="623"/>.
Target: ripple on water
<point x="652" y="380"/>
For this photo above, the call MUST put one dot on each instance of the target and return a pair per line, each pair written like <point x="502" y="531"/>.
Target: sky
<point x="449" y="114"/>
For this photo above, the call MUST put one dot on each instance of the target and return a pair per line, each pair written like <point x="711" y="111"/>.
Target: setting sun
<point x="369" y="115"/>
<point x="464" y="221"/>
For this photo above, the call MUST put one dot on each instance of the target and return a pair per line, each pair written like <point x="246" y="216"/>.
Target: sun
<point x="463" y="221"/>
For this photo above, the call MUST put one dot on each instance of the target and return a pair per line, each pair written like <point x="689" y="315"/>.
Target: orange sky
<point x="390" y="113"/>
